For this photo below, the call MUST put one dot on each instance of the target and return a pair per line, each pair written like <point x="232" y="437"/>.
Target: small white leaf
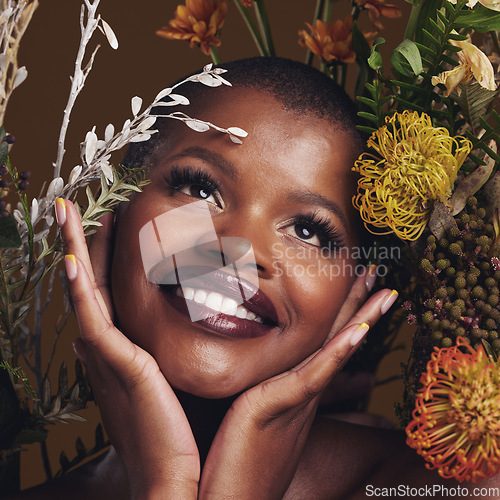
<point x="219" y="71"/>
<point x="2" y="92"/>
<point x="5" y="15"/>
<point x="179" y="99"/>
<point x="21" y="75"/>
<point x="209" y="80"/>
<point x="110" y="35"/>
<point x="34" y="210"/>
<point x="90" y="146"/>
<point x="223" y="80"/>
<point x="197" y="125"/>
<point x="126" y="125"/>
<point x="136" y="105"/>
<point x="239" y="132"/>
<point x="147" y="123"/>
<point x="55" y="188"/>
<point x="207" y="67"/>
<point x="75" y="173"/>
<point x="109" y="132"/>
<point x="235" y="139"/>
<point x="163" y="93"/>
<point x="140" y="138"/>
<point x="107" y="171"/>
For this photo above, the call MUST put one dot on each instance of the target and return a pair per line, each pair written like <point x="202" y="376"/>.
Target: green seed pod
<point x="471" y="201"/>
<point x="447" y="306"/>
<point x="454" y="233"/>
<point x="427" y="317"/>
<point x="492" y="335"/>
<point x="474" y="271"/>
<point x="450" y="272"/>
<point x="490" y="324"/>
<point x="426" y="266"/>
<point x="473" y="225"/>
<point x="460" y="304"/>
<point x="460" y="282"/>
<point x="435" y="324"/>
<point x="431" y="239"/>
<point x="437" y="335"/>
<point x="455" y="249"/>
<point x="442" y="264"/>
<point x="444" y="243"/>
<point x="455" y="312"/>
<point x="489" y="283"/>
<point x="492" y="300"/>
<point x="464" y="218"/>
<point x="478" y="292"/>
<point x="471" y="279"/>
<point x="445" y="324"/>
<point x="494" y="291"/>
<point x="460" y="331"/>
<point x="446" y="342"/>
<point x="463" y="294"/>
<point x="441" y="293"/>
<point x="481" y="212"/>
<point x="477" y="333"/>
<point x="496" y="344"/>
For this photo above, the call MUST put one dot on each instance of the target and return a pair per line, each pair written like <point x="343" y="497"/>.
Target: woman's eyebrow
<point x="215" y="159"/>
<point x="310" y="198"/>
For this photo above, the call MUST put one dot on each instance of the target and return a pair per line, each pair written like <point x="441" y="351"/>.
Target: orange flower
<point x="377" y="8"/>
<point x="456" y="421"/>
<point x="199" y="22"/>
<point x="247" y="3"/>
<point x="332" y="42"/>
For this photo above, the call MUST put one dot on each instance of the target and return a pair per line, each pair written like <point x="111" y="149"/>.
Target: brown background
<point x="143" y="64"/>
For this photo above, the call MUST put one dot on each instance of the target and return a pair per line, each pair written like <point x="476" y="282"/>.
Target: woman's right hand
<point x="142" y="416"/>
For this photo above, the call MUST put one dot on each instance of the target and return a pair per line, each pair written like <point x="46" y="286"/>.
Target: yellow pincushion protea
<point x="414" y="164"/>
<point x="456" y="421"/>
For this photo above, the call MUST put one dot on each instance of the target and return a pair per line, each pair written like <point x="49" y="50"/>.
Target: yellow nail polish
<point x="71" y="266"/>
<point x="389" y="301"/>
<point x="60" y="211"/>
<point x="359" y="333"/>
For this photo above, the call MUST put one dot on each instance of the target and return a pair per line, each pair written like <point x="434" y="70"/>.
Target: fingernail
<point x="359" y="333"/>
<point x="389" y="301"/>
<point x="60" y="211"/>
<point x="70" y="262"/>
<point x="370" y="277"/>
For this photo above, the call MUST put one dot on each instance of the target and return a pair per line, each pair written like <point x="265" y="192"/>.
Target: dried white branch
<point x="88" y="24"/>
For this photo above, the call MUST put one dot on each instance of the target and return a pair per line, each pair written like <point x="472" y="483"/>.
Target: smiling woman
<point x="199" y="320"/>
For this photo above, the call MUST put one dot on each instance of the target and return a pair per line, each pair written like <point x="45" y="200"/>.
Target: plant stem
<point x="264" y="27"/>
<point x="317" y="15"/>
<point x="412" y="21"/>
<point x="327" y="11"/>
<point x="245" y="14"/>
<point x="214" y="55"/>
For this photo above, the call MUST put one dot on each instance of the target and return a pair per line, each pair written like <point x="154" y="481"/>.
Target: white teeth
<point x="214" y="301"/>
<point x="218" y="302"/>
<point x="251" y="315"/>
<point x="229" y="306"/>
<point x="241" y="312"/>
<point x="200" y="296"/>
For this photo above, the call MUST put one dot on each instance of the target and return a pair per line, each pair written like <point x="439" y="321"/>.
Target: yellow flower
<point x="473" y="64"/>
<point x="330" y="41"/>
<point x="456" y="421"/>
<point x="198" y="22"/>
<point x="414" y="164"/>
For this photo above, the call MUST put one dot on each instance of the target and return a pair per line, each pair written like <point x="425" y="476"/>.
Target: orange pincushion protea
<point x="198" y="22"/>
<point x="456" y="421"/>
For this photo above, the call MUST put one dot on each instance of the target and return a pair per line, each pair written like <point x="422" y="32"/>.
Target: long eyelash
<point x="184" y="176"/>
<point x="328" y="234"/>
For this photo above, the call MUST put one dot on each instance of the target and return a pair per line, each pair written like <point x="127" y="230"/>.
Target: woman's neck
<point x="205" y="417"/>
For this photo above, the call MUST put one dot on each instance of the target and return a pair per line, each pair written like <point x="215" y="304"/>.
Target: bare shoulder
<point x="102" y="478"/>
<point x="349" y="461"/>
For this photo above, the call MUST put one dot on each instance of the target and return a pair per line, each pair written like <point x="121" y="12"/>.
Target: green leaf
<point x="479" y="19"/>
<point x="359" y="43"/>
<point x="375" y="59"/>
<point x="9" y="234"/>
<point x="4" y="153"/>
<point x="29" y="436"/>
<point x="474" y="101"/>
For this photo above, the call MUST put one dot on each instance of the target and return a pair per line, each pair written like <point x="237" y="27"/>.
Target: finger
<point x="75" y="243"/>
<point x="307" y="380"/>
<point x="96" y="329"/>
<point x="100" y="250"/>
<point x="354" y="300"/>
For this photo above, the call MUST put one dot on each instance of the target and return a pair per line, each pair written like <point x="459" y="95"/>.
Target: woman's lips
<point x="222" y="302"/>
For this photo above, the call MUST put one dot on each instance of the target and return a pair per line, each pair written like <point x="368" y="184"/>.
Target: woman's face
<point x="286" y="191"/>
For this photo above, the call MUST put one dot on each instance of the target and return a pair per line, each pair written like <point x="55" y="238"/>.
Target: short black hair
<point x="300" y="88"/>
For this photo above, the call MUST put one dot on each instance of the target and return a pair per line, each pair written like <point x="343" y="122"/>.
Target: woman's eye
<point x="199" y="191"/>
<point x="306" y="233"/>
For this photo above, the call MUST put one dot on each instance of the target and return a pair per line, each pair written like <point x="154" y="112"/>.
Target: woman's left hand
<point x="258" y="446"/>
